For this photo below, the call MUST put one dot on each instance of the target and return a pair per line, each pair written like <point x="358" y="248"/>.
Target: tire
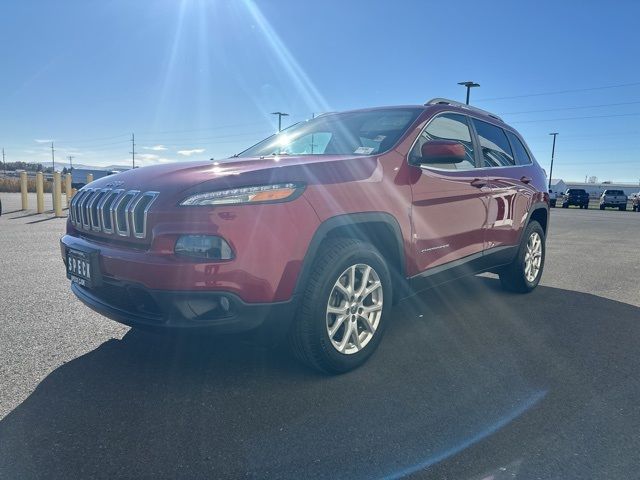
<point x="309" y="337"/>
<point x="514" y="276"/>
<point x="622" y="209"/>
<point x="601" y="207"/>
<point x="565" y="205"/>
<point x="586" y="207"/>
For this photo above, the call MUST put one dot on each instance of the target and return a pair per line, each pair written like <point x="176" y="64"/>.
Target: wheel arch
<point x="377" y="228"/>
<point x="540" y="213"/>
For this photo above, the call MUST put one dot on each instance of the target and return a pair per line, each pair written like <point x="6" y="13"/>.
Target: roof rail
<point x="446" y="101"/>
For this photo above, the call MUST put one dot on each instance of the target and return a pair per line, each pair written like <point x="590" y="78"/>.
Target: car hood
<point x="172" y="179"/>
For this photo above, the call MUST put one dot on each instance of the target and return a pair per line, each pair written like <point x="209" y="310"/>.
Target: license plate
<point x="81" y="267"/>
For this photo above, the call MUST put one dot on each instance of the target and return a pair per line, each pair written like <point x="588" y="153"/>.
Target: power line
<point x="559" y="92"/>
<point x="571" y="108"/>
<point x="578" y="118"/>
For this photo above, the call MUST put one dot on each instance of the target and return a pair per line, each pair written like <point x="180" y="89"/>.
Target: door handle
<point x="479" y="182"/>
<point x="524" y="179"/>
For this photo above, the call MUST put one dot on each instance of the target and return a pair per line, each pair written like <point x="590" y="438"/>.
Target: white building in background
<point x="594" y="189"/>
<point x="558" y="186"/>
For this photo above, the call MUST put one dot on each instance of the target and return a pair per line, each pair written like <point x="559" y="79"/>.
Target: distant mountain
<point x="61" y="165"/>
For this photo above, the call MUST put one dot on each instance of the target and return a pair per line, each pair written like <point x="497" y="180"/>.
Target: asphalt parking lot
<point x="469" y="383"/>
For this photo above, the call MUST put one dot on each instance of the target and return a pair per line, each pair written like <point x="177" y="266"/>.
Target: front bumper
<point x="217" y="312"/>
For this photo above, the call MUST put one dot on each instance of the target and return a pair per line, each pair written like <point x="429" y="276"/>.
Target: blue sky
<point x="196" y="79"/>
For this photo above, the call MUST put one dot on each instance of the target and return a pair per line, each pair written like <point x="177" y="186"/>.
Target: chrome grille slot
<point x="76" y="212"/>
<point x="106" y="217"/>
<point x="84" y="210"/>
<point x="121" y="212"/>
<point x="92" y="205"/>
<point x="108" y="211"/>
<point x="139" y="211"/>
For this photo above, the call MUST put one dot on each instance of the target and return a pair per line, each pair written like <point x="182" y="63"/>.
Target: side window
<point x="449" y="126"/>
<point x="522" y="156"/>
<point x="496" y="151"/>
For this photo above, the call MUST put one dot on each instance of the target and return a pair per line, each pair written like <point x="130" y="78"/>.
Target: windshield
<point x="351" y="133"/>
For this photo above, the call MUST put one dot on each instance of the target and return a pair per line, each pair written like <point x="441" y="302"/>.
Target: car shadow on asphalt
<point x="469" y="381"/>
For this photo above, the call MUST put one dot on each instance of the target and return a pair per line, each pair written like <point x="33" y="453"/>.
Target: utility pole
<point x="280" y="115"/>
<point x="4" y="163"/>
<point x="553" y="151"/>
<point x="313" y="115"/>
<point x="469" y="86"/>
<point x="70" y="157"/>
<point x="133" y="150"/>
<point x="53" y="168"/>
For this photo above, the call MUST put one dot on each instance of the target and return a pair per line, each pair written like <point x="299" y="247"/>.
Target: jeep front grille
<point x="118" y="212"/>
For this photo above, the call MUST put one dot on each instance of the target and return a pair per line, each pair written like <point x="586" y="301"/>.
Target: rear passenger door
<point x="504" y="165"/>
<point x="449" y="202"/>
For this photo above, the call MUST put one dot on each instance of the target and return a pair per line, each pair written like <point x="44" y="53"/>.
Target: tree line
<point x="30" y="167"/>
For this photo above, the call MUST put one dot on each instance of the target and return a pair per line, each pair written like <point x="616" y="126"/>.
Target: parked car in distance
<point x="553" y="196"/>
<point x="613" y="198"/>
<point x="315" y="231"/>
<point x="575" y="196"/>
<point x="635" y="202"/>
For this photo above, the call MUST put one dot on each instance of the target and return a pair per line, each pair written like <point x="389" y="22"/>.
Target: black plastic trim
<point x="350" y="219"/>
<point x="245" y="316"/>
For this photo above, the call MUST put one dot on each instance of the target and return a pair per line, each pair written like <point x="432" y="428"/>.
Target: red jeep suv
<point x="315" y="231"/>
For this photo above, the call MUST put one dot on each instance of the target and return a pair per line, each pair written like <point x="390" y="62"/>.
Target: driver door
<point x="449" y="201"/>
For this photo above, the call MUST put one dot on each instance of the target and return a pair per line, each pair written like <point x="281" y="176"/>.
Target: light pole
<point x="553" y="151"/>
<point x="280" y="115"/>
<point x="469" y="86"/>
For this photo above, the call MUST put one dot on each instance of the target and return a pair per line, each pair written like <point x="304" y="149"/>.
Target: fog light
<point x="203" y="246"/>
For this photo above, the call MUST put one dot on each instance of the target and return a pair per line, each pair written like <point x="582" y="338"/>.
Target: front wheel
<point x="341" y="318"/>
<point x="523" y="274"/>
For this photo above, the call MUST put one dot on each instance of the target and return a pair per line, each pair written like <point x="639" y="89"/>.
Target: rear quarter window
<point x="496" y="150"/>
<point x="519" y="150"/>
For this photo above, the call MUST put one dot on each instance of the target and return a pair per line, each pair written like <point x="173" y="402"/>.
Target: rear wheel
<point x="523" y="274"/>
<point x="341" y="318"/>
<point x="601" y="207"/>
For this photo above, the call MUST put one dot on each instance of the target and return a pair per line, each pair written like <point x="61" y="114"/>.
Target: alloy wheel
<point x="533" y="257"/>
<point x="354" y="308"/>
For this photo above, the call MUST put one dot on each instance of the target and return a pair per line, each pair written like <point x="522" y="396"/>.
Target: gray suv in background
<point x="613" y="198"/>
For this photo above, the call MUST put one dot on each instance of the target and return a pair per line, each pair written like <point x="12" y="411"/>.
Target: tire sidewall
<point x="531" y="228"/>
<point x="341" y="362"/>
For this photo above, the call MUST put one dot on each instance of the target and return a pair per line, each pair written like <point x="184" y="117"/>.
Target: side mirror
<point x="436" y="152"/>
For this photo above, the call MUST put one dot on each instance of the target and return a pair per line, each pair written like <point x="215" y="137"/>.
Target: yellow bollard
<point x="89" y="178"/>
<point x="57" y="194"/>
<point x="23" y="190"/>
<point x="67" y="188"/>
<point x="40" y="192"/>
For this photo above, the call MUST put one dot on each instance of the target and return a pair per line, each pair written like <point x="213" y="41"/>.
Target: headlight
<point x="203" y="246"/>
<point x="237" y="196"/>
